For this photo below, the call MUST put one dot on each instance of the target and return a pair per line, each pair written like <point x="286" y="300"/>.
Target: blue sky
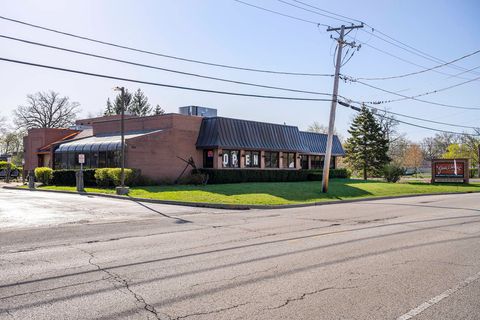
<point x="224" y="31"/>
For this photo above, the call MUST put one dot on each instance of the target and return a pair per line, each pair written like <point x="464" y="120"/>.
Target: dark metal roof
<point x="229" y="133"/>
<point x="317" y="143"/>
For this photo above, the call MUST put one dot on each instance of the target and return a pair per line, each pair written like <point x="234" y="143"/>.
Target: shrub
<point x="67" y="177"/>
<point x="102" y="178"/>
<point x="4" y="165"/>
<point x="260" y="175"/>
<point x="106" y="177"/>
<point x="44" y="174"/>
<point x="392" y="173"/>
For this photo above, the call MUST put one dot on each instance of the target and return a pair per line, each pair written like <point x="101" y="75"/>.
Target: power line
<point x="419" y="52"/>
<point x="329" y="12"/>
<point x="423" y="55"/>
<point x="165" y="55"/>
<point x="408" y="61"/>
<point x="323" y="15"/>
<point x="424" y="70"/>
<point x="419" y="100"/>
<point x="417" y="95"/>
<point x="161" y="68"/>
<point x="160" y="84"/>
<point x="279" y="13"/>
<point x="415" y="118"/>
<point x="408" y="123"/>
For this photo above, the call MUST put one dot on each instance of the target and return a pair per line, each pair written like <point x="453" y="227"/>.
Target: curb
<point x="239" y="206"/>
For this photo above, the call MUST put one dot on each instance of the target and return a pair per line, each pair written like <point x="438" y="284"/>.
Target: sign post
<point x="79" y="174"/>
<point x="7" y="175"/>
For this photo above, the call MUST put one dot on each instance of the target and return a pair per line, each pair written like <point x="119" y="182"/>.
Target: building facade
<point x="159" y="145"/>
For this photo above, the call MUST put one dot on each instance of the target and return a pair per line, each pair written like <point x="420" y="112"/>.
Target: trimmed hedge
<point x="101" y="177"/>
<point x="217" y="176"/>
<point x="67" y="177"/>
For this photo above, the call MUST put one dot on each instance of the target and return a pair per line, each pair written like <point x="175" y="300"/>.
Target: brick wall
<point x="38" y="138"/>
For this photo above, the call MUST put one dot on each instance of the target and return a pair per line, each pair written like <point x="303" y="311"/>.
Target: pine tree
<point x="158" y="110"/>
<point x="116" y="107"/>
<point x="139" y="106"/>
<point x="366" y="149"/>
<point x="108" y="108"/>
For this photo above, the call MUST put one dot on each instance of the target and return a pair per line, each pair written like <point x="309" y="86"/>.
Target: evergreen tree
<point x="109" y="110"/>
<point x="158" y="110"/>
<point x="366" y="149"/>
<point x="116" y="107"/>
<point x="139" y="106"/>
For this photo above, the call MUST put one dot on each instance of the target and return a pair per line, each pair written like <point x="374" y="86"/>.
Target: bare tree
<point x="46" y="110"/>
<point x="320" y="128"/>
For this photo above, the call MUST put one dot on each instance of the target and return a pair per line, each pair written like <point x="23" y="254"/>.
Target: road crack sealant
<point x="211" y="312"/>
<point x="125" y="284"/>
<point x="305" y="294"/>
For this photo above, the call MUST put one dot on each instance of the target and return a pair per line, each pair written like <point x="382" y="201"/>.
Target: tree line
<point x="52" y="110"/>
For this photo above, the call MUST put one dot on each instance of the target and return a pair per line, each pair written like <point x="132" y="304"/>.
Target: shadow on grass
<point x="290" y="191"/>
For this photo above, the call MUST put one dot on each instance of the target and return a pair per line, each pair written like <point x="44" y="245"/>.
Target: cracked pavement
<point x="76" y="257"/>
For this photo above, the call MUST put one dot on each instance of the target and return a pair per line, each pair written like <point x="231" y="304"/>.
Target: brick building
<point x="157" y="144"/>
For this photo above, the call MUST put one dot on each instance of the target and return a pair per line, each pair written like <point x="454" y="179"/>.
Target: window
<point x="316" y="162"/>
<point x="252" y="159"/>
<point x="271" y="159"/>
<point x="230" y="159"/>
<point x="102" y="159"/>
<point x="289" y="160"/>
<point x="304" y="161"/>
<point x="208" y="158"/>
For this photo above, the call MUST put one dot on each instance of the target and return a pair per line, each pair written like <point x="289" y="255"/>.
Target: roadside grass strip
<point x="282" y="193"/>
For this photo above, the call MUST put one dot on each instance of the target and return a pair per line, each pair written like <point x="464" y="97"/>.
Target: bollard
<point x="79" y="181"/>
<point x="31" y="179"/>
<point x="7" y="175"/>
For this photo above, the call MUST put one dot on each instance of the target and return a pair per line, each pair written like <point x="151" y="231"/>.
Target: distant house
<point x="157" y="144"/>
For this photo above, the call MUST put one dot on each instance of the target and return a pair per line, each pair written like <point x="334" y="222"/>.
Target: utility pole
<point x="122" y="189"/>
<point x="331" y="124"/>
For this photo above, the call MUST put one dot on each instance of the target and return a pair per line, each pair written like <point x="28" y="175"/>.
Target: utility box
<point x="198" y="111"/>
<point x="450" y="170"/>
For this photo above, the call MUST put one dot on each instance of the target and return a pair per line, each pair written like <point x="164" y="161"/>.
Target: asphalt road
<point x="76" y="257"/>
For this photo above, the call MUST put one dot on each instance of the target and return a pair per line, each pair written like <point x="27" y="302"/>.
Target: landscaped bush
<point x="44" y="174"/>
<point x="4" y="165"/>
<point x="259" y="175"/>
<point x="107" y="177"/>
<point x="392" y="173"/>
<point x="67" y="177"/>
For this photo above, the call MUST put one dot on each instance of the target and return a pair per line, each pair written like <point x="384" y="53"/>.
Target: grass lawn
<point x="275" y="193"/>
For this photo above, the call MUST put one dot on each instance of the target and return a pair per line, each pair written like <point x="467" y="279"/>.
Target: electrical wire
<point x="415" y="118"/>
<point x="161" y="68"/>
<point x="329" y="12"/>
<point x="323" y="15"/>
<point x="165" y="55"/>
<point x="281" y="14"/>
<point x="159" y="84"/>
<point x="419" y="100"/>
<point x="425" y="70"/>
<point x="425" y="56"/>
<point x="408" y="123"/>
<point x="410" y="49"/>
<point x="425" y="93"/>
